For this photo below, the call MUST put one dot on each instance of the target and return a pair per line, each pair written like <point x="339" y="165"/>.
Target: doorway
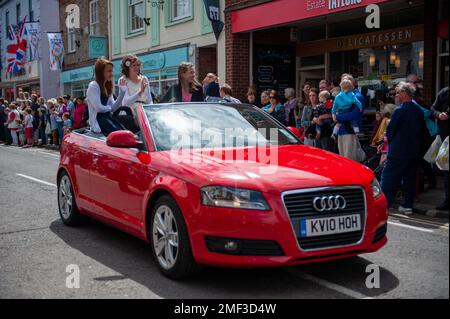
<point x="313" y="75"/>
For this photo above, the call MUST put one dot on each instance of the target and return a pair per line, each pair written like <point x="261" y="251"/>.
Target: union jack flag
<point x="16" y="50"/>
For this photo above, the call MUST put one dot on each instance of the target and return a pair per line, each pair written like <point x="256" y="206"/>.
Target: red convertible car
<point x="223" y="185"/>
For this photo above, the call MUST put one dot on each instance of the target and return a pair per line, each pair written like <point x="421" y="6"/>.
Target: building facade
<point x="306" y="41"/>
<point x="37" y="76"/>
<point x="84" y="41"/>
<point x="163" y="34"/>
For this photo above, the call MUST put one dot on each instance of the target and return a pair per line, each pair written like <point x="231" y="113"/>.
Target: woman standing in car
<point x="188" y="88"/>
<point x="138" y="88"/>
<point x="100" y="99"/>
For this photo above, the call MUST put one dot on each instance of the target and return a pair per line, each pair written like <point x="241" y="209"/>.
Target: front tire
<point x="170" y="241"/>
<point x="68" y="209"/>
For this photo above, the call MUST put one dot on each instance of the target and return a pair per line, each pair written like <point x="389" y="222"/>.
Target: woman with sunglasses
<point x="138" y="88"/>
<point x="275" y="108"/>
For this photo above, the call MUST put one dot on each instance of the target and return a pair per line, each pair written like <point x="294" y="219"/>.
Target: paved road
<point x="35" y="249"/>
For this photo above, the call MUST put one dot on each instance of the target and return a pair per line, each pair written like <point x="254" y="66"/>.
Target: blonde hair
<point x="52" y="102"/>
<point x="346" y="85"/>
<point x="324" y="94"/>
<point x="225" y="88"/>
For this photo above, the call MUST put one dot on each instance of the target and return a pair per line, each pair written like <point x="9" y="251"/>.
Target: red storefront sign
<point x="285" y="11"/>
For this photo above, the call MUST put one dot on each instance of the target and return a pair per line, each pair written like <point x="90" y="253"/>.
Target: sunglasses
<point x="272" y="97"/>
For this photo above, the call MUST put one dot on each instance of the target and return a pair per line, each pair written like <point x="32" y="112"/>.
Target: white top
<point x="29" y="121"/>
<point x="95" y="105"/>
<point x="132" y="94"/>
<point x="14" y="124"/>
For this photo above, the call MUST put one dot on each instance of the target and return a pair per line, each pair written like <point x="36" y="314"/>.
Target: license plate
<point x="330" y="225"/>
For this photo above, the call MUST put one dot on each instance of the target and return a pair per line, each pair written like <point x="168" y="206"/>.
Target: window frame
<point x="71" y="40"/>
<point x="168" y="13"/>
<point x="130" y="4"/>
<point x="182" y="17"/>
<point x="7" y="21"/>
<point x="18" y="12"/>
<point x="94" y="24"/>
<point x="30" y="10"/>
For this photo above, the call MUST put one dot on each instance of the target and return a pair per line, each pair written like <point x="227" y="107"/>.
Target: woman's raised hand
<point x="122" y="85"/>
<point x="144" y="84"/>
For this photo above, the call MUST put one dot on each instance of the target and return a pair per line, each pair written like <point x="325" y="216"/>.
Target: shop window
<point x="79" y="90"/>
<point x="180" y="9"/>
<point x="136" y="14"/>
<point x="443" y="63"/>
<point x="94" y="20"/>
<point x="71" y="40"/>
<point x="161" y="81"/>
<point x="378" y="69"/>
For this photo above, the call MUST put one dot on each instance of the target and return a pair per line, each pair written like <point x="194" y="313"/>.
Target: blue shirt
<point x="352" y="116"/>
<point x="344" y="102"/>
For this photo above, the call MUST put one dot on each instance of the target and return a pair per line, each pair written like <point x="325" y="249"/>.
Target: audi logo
<point x="329" y="203"/>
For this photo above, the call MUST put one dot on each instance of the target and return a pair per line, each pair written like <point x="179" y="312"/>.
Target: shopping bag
<point x="48" y="129"/>
<point x="442" y="157"/>
<point x="430" y="155"/>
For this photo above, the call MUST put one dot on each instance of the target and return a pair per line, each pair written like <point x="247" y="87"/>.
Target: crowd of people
<point x="31" y="120"/>
<point x="328" y="117"/>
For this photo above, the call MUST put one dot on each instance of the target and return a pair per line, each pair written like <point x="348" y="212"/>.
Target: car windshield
<point x="209" y="125"/>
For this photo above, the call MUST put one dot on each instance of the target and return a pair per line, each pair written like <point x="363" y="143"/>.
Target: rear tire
<point x="68" y="209"/>
<point x="170" y="240"/>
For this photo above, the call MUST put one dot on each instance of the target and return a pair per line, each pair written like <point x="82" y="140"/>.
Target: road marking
<point x="329" y="285"/>
<point x="36" y="180"/>
<point x="421" y="221"/>
<point x="411" y="227"/>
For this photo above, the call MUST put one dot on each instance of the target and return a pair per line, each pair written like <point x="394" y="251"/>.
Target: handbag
<point x="442" y="156"/>
<point x="430" y="155"/>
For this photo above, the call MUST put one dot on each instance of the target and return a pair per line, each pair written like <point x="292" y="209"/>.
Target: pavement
<point x="36" y="249"/>
<point x="426" y="202"/>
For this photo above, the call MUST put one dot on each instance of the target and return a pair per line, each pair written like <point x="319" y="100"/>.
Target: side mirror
<point x="123" y="139"/>
<point x="295" y="131"/>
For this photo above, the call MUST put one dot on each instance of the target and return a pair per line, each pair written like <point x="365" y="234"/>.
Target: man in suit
<point x="405" y="134"/>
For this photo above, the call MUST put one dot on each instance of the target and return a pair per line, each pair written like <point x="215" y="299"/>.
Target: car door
<point x="79" y="152"/>
<point x="119" y="182"/>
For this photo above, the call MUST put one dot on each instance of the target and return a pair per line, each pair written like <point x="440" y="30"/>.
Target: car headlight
<point x="232" y="197"/>
<point x="376" y="189"/>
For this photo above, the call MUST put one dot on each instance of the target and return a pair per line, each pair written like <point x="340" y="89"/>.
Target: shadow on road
<point x="132" y="259"/>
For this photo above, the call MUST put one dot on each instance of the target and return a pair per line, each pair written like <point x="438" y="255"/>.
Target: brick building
<point x="279" y="44"/>
<point x="86" y="41"/>
<point x="36" y="76"/>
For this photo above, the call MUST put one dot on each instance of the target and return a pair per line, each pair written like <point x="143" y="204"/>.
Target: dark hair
<point x="251" y="91"/>
<point x="100" y="65"/>
<point x="131" y="58"/>
<point x="275" y="95"/>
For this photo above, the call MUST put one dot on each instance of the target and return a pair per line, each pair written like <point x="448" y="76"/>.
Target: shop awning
<point x="280" y="12"/>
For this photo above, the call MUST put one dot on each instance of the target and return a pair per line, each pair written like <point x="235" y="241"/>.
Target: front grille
<point x="299" y="205"/>
<point x="246" y="247"/>
<point x="379" y="234"/>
